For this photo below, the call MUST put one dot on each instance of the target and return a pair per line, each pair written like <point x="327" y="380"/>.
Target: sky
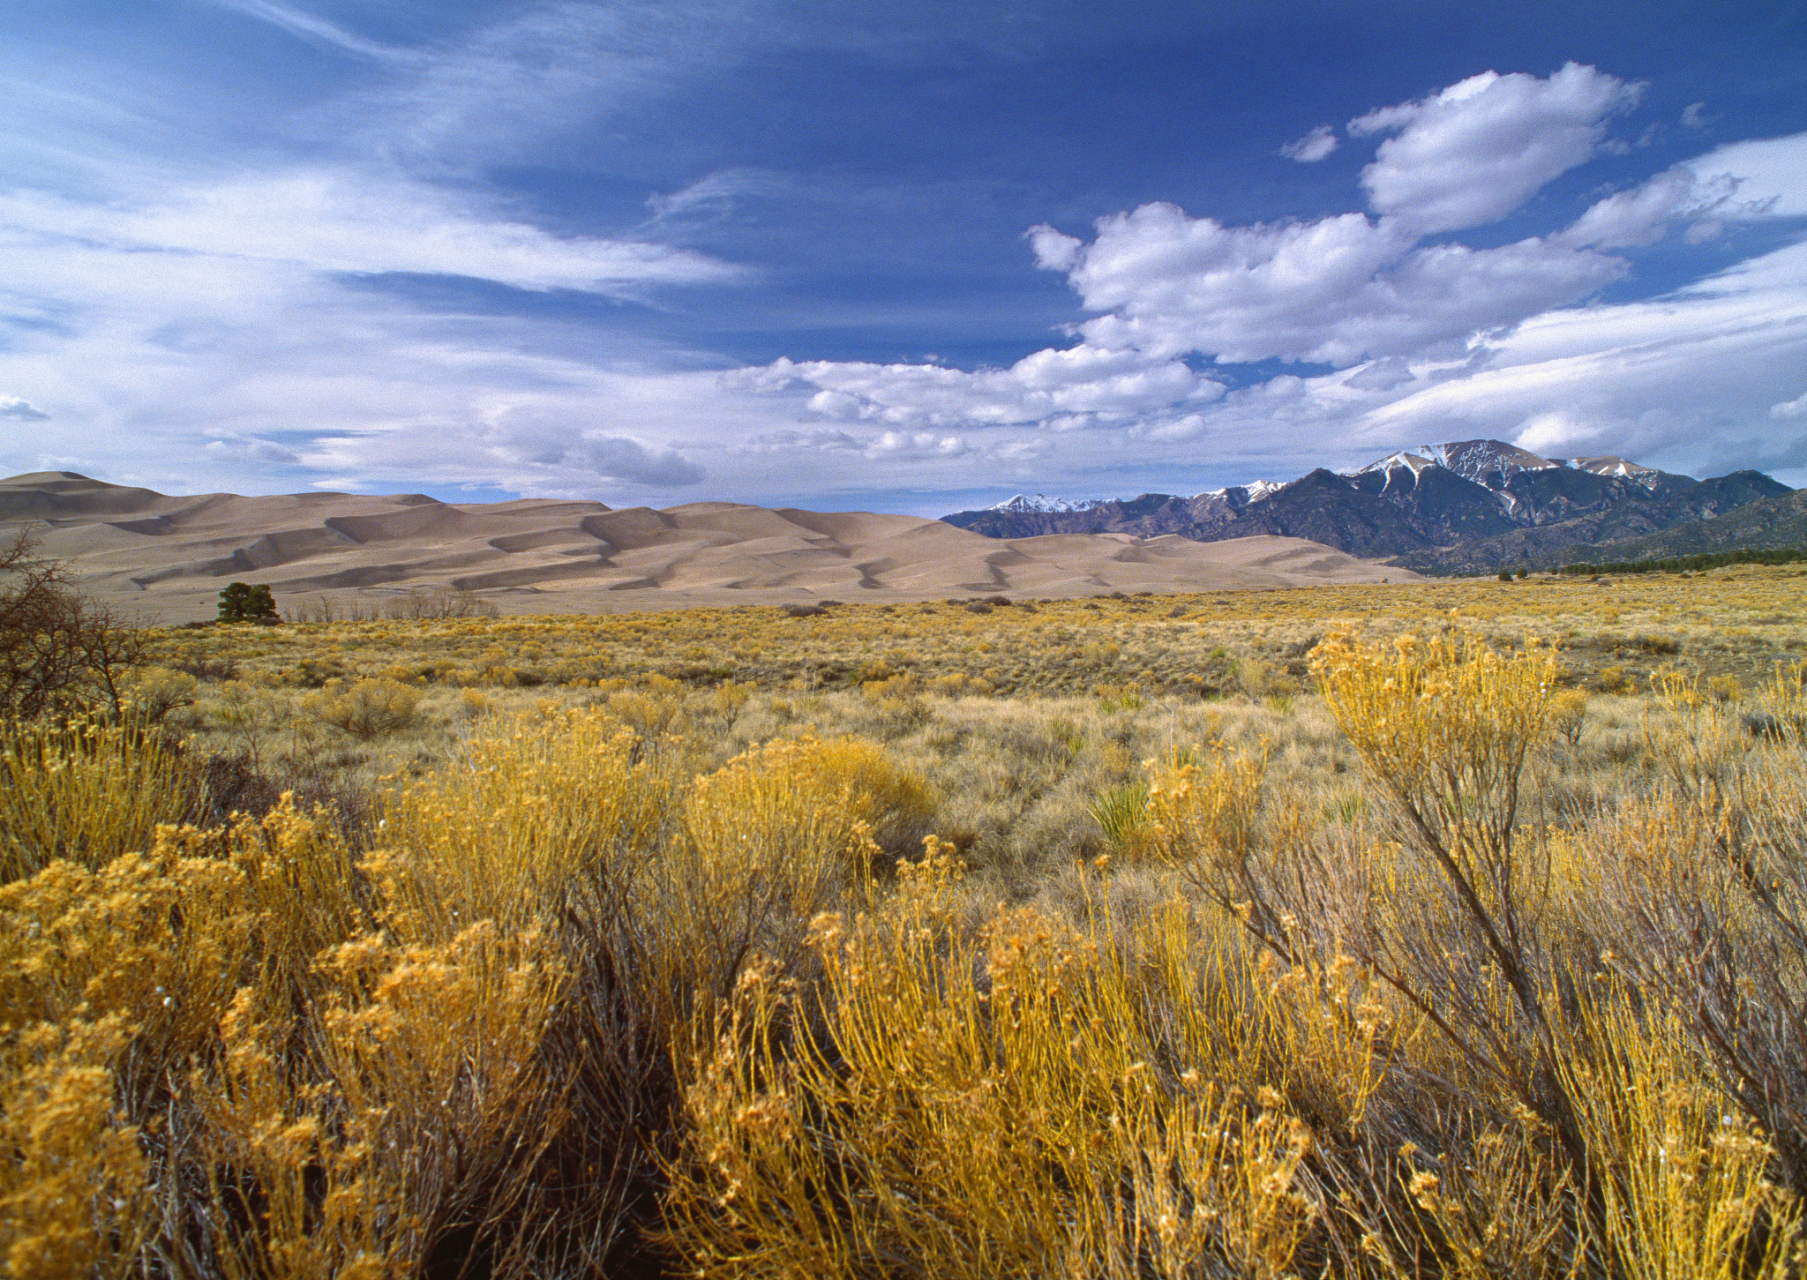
<point x="916" y="257"/>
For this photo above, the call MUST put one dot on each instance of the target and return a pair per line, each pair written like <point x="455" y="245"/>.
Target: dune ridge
<point x="167" y="556"/>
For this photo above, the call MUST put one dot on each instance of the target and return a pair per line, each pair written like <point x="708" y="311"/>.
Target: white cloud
<point x="1450" y="341"/>
<point x="548" y="71"/>
<point x="1478" y="150"/>
<point x="1079" y="386"/>
<point x="715" y="194"/>
<point x="1671" y="381"/>
<point x="252" y="450"/>
<point x="1021" y="451"/>
<point x="1381" y="375"/>
<point x="1054" y="250"/>
<point x="797" y="440"/>
<point x="1790" y="409"/>
<point x="1555" y="433"/>
<point x="21" y="410"/>
<point x="916" y="444"/>
<point x="189" y="353"/>
<point x="1642" y="215"/>
<point x="1740" y="183"/>
<point x="1338" y="290"/>
<point x="205" y="333"/>
<point x="1314" y="146"/>
<point x="1771" y="175"/>
<point x="339" y="221"/>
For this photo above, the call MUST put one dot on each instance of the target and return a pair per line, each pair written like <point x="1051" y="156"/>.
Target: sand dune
<point x="167" y="557"/>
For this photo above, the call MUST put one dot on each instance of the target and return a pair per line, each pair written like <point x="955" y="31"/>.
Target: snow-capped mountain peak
<point x="1253" y="491"/>
<point x="1023" y="503"/>
<point x="1412" y="460"/>
<point x="1488" y="462"/>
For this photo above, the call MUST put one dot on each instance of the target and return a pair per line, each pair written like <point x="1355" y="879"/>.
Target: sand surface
<point x="165" y="558"/>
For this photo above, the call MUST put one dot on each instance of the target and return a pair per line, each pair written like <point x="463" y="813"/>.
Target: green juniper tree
<point x="242" y="602"/>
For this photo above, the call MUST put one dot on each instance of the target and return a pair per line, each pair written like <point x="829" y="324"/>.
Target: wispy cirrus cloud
<point x="299" y="22"/>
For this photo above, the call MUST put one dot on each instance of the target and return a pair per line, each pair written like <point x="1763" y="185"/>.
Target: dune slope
<point x="168" y="556"/>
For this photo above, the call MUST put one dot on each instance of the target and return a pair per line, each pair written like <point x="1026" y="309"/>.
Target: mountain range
<point x="1470" y="506"/>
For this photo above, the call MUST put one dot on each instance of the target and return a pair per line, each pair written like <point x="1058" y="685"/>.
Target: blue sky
<point x="911" y="257"/>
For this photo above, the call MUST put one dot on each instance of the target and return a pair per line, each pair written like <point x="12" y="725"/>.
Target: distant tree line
<point x="1679" y="564"/>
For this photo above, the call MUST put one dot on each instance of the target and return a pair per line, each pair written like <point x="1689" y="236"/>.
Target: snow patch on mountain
<point x="1610" y="465"/>
<point x="1488" y="462"/>
<point x="1022" y="503"/>
<point x="1254" y="491"/>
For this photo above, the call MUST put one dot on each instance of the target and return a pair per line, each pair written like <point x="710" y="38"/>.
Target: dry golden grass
<point x="1353" y="939"/>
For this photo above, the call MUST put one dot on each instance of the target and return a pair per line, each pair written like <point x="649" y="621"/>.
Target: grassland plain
<point x="1443" y="929"/>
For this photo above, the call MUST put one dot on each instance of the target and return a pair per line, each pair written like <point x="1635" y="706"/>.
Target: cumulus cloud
<point x="916" y="444"/>
<point x="619" y="460"/>
<point x="1078" y="386"/>
<point x="1642" y="215"/>
<point x="1314" y="146"/>
<point x="1790" y="409"/>
<point x="1442" y="340"/>
<point x="21" y="410"/>
<point x="1338" y="290"/>
<point x="1478" y="150"/>
<point x="1054" y="250"/>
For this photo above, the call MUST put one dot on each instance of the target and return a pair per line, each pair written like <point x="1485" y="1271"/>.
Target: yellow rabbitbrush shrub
<point x="657" y="888"/>
<point x="528" y="812"/>
<point x="162" y="940"/>
<point x="73" y="1193"/>
<point x="415" y="1108"/>
<point x="767" y="841"/>
<point x="1444" y="726"/>
<point x="112" y="982"/>
<point x="894" y="803"/>
<point x="1683" y="1176"/>
<point x="86" y="791"/>
<point x="1209" y="810"/>
<point x="1032" y="1100"/>
<point x="216" y="1020"/>
<point x="367" y="709"/>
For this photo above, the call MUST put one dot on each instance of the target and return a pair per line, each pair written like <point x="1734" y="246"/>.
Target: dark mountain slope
<point x="1473" y="506"/>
